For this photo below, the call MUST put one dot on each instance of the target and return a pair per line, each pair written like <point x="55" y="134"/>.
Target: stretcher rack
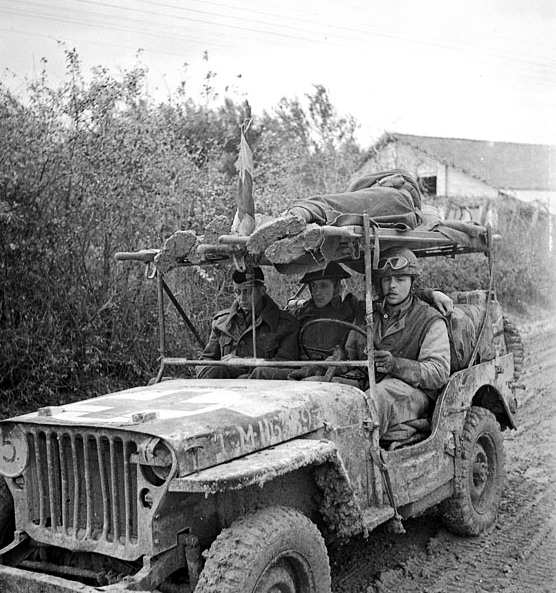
<point x="442" y="240"/>
<point x="353" y="245"/>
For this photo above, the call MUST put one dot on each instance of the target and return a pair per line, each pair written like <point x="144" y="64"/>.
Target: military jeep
<point x="237" y="486"/>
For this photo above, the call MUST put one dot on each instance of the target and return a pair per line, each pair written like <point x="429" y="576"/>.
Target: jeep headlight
<point x="156" y="459"/>
<point x="14" y="450"/>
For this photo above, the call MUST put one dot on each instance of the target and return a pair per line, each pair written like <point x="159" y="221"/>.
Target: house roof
<point x="506" y="165"/>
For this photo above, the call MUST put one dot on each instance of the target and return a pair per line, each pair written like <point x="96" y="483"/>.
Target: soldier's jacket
<point x="418" y="338"/>
<point x="231" y="333"/>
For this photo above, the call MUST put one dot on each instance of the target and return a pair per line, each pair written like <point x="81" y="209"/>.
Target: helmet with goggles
<point x="397" y="261"/>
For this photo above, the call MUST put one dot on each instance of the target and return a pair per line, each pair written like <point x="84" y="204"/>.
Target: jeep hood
<point x="211" y="421"/>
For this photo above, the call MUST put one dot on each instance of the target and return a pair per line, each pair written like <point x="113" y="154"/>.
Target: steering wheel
<point x="312" y="351"/>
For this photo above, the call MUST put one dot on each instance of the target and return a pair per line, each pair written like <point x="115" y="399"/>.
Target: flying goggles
<point x="396" y="263"/>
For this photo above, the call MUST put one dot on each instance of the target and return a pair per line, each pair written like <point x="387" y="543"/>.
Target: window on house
<point x="428" y="185"/>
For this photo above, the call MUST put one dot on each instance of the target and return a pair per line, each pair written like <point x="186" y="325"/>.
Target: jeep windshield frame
<point x="357" y="245"/>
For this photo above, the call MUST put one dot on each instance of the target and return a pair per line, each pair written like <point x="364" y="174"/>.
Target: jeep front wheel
<point x="276" y="550"/>
<point x="479" y="476"/>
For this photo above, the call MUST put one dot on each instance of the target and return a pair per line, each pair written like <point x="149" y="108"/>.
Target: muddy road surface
<point x="516" y="555"/>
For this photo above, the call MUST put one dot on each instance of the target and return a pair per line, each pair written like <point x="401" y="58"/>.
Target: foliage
<point x="524" y="266"/>
<point x="89" y="169"/>
<point x="303" y="150"/>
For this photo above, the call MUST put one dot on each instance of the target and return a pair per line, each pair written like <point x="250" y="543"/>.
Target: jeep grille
<point x="83" y="485"/>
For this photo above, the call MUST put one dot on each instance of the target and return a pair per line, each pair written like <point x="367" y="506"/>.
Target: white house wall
<point x="453" y="183"/>
<point x="450" y="182"/>
<point x="383" y="159"/>
<point x="417" y="162"/>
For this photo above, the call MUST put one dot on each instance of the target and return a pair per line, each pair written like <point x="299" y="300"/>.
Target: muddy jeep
<point x="237" y="486"/>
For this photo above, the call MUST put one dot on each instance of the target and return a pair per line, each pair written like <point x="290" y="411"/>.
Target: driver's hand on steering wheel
<point x="335" y="356"/>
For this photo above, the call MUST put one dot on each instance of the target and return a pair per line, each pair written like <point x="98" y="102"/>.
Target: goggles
<point x="396" y="263"/>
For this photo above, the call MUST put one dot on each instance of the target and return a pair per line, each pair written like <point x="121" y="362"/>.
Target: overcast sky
<point x="480" y="69"/>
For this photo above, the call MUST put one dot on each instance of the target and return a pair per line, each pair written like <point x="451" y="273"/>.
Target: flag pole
<point x="244" y="219"/>
<point x="245" y="198"/>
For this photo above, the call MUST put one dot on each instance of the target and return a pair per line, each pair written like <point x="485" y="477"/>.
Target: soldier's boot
<point x="269" y="232"/>
<point x="289" y="249"/>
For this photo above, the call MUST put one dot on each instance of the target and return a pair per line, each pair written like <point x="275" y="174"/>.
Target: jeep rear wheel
<point x="277" y="550"/>
<point x="479" y="479"/>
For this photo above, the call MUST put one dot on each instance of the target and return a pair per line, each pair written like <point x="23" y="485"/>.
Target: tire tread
<point x="457" y="512"/>
<point x="231" y="556"/>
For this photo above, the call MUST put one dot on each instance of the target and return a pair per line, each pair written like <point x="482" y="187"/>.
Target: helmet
<point x="397" y="261"/>
<point x="333" y="271"/>
<point x="250" y="275"/>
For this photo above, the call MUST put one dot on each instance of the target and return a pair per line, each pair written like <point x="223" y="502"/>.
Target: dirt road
<point x="518" y="554"/>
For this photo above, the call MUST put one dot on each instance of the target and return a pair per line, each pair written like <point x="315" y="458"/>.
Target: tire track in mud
<point x="536" y="572"/>
<point x="485" y="563"/>
<point x="357" y="564"/>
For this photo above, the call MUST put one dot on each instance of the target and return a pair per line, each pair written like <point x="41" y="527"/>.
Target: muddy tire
<point x="514" y="345"/>
<point x="479" y="479"/>
<point x="7" y="521"/>
<point x="274" y="550"/>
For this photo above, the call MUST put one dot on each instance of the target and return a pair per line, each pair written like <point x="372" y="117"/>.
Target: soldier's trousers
<point x="398" y="403"/>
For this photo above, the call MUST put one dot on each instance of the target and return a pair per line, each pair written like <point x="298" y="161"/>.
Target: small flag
<point x="244" y="219"/>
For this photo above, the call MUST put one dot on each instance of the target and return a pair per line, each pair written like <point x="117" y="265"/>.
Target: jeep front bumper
<point x="15" y="580"/>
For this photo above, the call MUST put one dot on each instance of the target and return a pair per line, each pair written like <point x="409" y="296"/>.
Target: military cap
<point x="250" y="275"/>
<point x="333" y="271"/>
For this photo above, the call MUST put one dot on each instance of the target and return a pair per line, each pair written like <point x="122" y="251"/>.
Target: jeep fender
<point x="487" y="385"/>
<point x="339" y="506"/>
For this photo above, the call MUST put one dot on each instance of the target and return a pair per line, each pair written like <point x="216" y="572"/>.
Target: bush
<point x="88" y="170"/>
<point x="524" y="266"/>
